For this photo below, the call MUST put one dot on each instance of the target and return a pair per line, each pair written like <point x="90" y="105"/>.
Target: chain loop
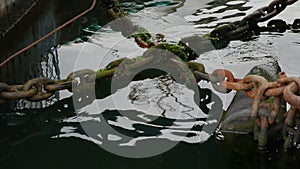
<point x="291" y="93"/>
<point x="16" y="92"/>
<point x="220" y="75"/>
<point x="38" y="84"/>
<point x="277" y="25"/>
<point x="82" y="79"/>
<point x="296" y="26"/>
<point x="60" y="86"/>
<point x="249" y="24"/>
<point x="3" y="86"/>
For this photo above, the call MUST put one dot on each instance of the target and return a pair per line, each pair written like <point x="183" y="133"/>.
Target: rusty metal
<point x="3" y="86"/>
<point x="260" y="85"/>
<point x="291" y="130"/>
<point x="16" y="92"/>
<point x="60" y="86"/>
<point x="38" y="84"/>
<point x="264" y="126"/>
<point x="269" y="95"/>
<point x="259" y="89"/>
<point x="222" y="75"/>
<point x="290" y="115"/>
<point x="157" y="39"/>
<point x="142" y="43"/>
<point x="265" y="94"/>
<point x="274" y="109"/>
<point x="83" y="79"/>
<point x="289" y="94"/>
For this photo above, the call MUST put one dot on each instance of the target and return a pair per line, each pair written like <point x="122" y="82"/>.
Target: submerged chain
<point x="249" y="24"/>
<point x="266" y="94"/>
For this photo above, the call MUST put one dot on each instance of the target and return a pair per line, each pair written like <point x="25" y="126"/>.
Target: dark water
<point x="147" y="113"/>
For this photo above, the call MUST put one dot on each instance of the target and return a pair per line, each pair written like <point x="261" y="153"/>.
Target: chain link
<point x="256" y="87"/>
<point x="3" y="86"/>
<point x="267" y="94"/>
<point x="296" y="26"/>
<point x="38" y="89"/>
<point x="249" y="24"/>
<point x="16" y="92"/>
<point x="38" y="85"/>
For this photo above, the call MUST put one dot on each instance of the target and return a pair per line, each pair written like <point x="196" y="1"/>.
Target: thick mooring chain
<point x="267" y="12"/>
<point x="249" y="24"/>
<point x="38" y="89"/>
<point x="269" y="95"/>
<point x="259" y="88"/>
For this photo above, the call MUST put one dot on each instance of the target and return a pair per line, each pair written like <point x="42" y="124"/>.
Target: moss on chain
<point x="195" y="66"/>
<point x="176" y="49"/>
<point x="144" y="35"/>
<point x="114" y="63"/>
<point x="217" y="42"/>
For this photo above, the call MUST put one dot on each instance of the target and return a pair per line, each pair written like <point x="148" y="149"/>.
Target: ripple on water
<point x="158" y="104"/>
<point x="235" y="2"/>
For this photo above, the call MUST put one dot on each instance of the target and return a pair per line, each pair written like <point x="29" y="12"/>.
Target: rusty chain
<point x="265" y="94"/>
<point x="38" y="89"/>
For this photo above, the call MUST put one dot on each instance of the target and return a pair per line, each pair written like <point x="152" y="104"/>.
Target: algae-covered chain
<point x="263" y="93"/>
<point x="249" y="24"/>
<point x="38" y="89"/>
<point x="42" y="88"/>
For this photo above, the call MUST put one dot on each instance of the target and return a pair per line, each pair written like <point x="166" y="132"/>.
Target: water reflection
<point x="116" y="126"/>
<point x="218" y="12"/>
<point x="163" y="93"/>
<point x="47" y="67"/>
<point x="28" y="131"/>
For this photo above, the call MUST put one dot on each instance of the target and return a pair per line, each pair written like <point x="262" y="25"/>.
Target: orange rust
<point x="141" y="43"/>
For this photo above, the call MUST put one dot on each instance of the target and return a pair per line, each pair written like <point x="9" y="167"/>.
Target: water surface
<point x="152" y="111"/>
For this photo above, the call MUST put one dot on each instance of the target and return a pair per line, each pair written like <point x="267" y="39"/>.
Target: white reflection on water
<point x="239" y="57"/>
<point x="178" y="97"/>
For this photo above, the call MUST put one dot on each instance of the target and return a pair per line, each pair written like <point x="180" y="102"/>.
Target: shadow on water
<point x="32" y="129"/>
<point x="53" y="137"/>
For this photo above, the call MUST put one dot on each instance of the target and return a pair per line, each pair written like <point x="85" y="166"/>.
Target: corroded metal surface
<point x="238" y="116"/>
